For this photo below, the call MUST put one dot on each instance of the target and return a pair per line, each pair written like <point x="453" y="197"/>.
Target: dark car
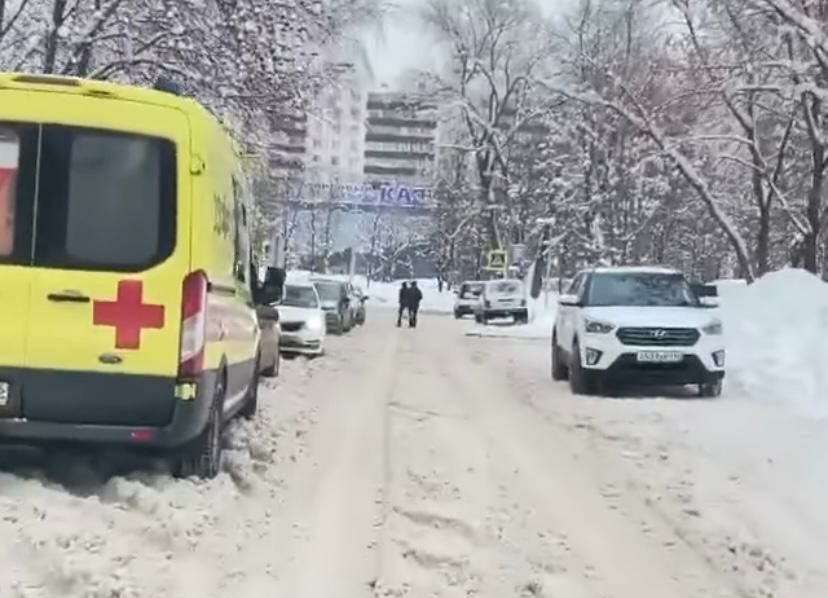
<point x="336" y="303"/>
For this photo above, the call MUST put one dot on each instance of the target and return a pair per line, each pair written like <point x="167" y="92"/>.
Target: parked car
<point x="336" y="304"/>
<point x="466" y="297"/>
<point x="112" y="330"/>
<point x="637" y="326"/>
<point x="502" y="299"/>
<point x="302" y="320"/>
<point x="358" y="299"/>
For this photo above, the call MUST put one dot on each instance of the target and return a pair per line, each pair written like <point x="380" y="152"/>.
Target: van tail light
<point x="193" y="326"/>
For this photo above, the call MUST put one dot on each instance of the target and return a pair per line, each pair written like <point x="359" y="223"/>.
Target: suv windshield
<point x="328" y="291"/>
<point x="640" y="289"/>
<point x="299" y="297"/>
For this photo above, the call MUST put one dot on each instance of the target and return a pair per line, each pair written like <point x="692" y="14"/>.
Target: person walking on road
<point x="415" y="296"/>
<point x="403" y="303"/>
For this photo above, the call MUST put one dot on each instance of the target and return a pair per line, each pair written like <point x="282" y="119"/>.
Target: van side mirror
<point x="267" y="313"/>
<point x="271" y="290"/>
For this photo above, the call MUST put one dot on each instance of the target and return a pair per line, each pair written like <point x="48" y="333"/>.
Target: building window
<point x="355" y="113"/>
<point x="317" y="158"/>
<point x="334" y="160"/>
<point x="317" y="143"/>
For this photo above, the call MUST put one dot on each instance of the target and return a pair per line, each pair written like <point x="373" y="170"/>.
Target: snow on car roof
<point x="634" y="270"/>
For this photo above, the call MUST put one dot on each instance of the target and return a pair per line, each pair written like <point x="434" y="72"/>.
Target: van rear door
<point x="16" y="202"/>
<point x="110" y="252"/>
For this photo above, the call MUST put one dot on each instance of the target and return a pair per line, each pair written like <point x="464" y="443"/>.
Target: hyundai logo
<point x="659" y="333"/>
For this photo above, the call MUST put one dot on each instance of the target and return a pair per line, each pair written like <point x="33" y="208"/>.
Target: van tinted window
<point x="9" y="164"/>
<point x="18" y="156"/>
<point x="106" y="200"/>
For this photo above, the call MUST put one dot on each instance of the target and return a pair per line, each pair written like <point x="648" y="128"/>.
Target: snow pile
<point x="777" y="339"/>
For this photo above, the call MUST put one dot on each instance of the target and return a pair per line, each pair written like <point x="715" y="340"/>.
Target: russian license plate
<point x="4" y="394"/>
<point x="659" y="356"/>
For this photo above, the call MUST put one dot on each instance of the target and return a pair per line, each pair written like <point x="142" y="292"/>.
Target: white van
<point x="502" y="299"/>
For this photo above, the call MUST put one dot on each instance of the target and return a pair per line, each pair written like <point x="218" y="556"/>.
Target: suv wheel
<point x="457" y="314"/>
<point x="559" y="369"/>
<point x="581" y="381"/>
<point x="202" y="458"/>
<point x="710" y="390"/>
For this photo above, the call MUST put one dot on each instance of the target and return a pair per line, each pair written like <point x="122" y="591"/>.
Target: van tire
<point x="202" y="457"/>
<point x="251" y="401"/>
<point x="272" y="371"/>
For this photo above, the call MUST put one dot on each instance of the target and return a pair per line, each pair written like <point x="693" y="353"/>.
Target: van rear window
<point x="96" y="200"/>
<point x="9" y="158"/>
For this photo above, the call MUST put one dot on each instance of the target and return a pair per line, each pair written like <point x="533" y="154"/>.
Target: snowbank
<point x="776" y="337"/>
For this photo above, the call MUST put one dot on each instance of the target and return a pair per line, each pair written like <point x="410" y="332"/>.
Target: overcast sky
<point x="404" y="44"/>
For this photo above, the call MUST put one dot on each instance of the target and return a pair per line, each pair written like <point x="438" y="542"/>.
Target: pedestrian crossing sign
<point x="496" y="260"/>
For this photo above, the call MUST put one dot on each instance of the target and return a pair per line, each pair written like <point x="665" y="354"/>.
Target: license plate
<point x="4" y="394"/>
<point x="659" y="356"/>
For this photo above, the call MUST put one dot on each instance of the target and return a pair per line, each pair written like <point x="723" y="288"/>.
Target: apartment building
<point x="336" y="127"/>
<point x="400" y="140"/>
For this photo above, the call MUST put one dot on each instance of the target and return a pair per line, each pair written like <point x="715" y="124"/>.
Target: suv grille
<point x="291" y="326"/>
<point x="658" y="337"/>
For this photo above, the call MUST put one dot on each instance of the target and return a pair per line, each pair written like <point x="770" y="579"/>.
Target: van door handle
<point x="69" y="296"/>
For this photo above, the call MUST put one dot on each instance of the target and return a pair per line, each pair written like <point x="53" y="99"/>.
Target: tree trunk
<point x="763" y="241"/>
<point x="811" y="240"/>
<point x="50" y="51"/>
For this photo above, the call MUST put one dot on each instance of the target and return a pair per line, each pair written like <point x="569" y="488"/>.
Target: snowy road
<point x="430" y="463"/>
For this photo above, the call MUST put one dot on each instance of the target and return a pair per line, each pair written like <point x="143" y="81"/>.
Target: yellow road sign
<point x="496" y="260"/>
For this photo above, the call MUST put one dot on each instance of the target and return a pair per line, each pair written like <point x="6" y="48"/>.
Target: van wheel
<point x="202" y="458"/>
<point x="272" y="371"/>
<point x="251" y="401"/>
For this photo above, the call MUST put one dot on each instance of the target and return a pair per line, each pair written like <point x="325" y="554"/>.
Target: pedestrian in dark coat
<point x="414" y="298"/>
<point x="403" y="302"/>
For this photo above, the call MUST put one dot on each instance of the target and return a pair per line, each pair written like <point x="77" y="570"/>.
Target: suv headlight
<point x="598" y="327"/>
<point x="714" y="327"/>
<point x="315" y="323"/>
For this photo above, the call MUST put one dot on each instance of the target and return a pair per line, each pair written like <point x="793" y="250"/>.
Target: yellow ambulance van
<point x="126" y="302"/>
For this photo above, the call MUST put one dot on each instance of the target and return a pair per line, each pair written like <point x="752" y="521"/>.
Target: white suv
<point x="637" y="325"/>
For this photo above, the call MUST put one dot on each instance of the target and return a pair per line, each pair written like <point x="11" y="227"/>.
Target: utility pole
<point x="546" y="245"/>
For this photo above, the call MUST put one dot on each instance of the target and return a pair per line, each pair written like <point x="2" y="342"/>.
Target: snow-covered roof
<point x="634" y="270"/>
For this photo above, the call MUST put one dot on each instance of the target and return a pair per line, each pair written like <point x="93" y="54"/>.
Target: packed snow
<point x="449" y="465"/>
<point x="776" y="337"/>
